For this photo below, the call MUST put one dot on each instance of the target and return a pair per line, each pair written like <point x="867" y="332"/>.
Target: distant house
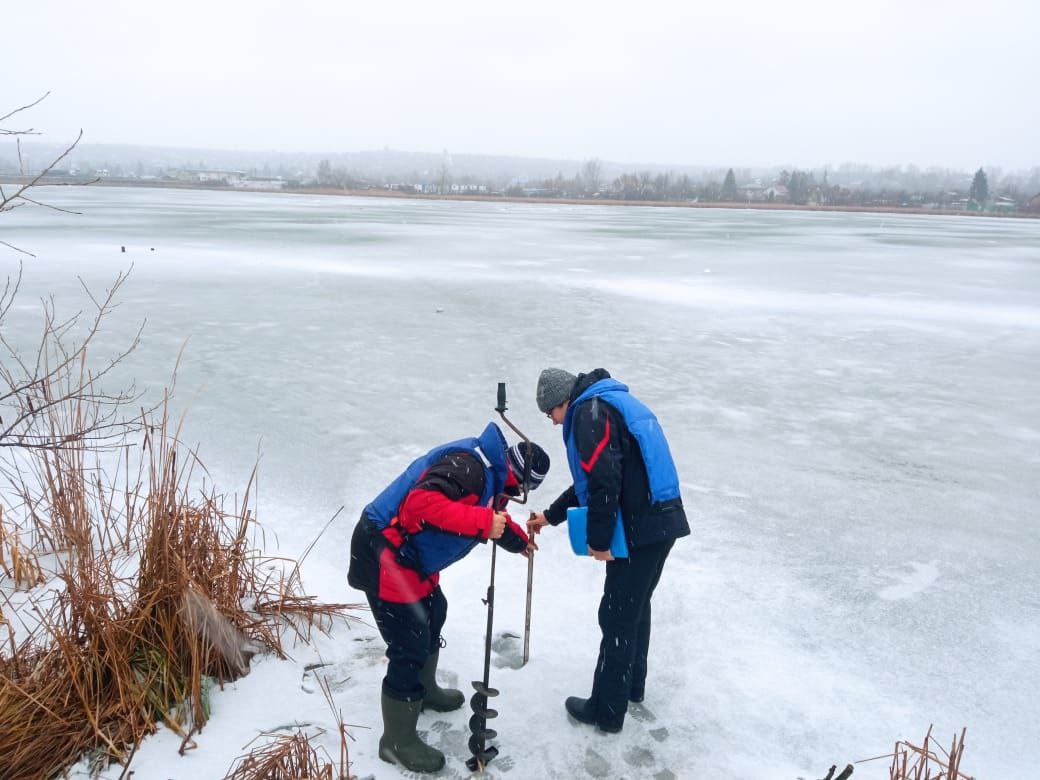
<point x="1033" y="207"/>
<point x="777" y="192"/>
<point x="461" y="189"/>
<point x="1003" y="203"/>
<point x="212" y="176"/>
<point x="261" y="183"/>
<point x="752" y="191"/>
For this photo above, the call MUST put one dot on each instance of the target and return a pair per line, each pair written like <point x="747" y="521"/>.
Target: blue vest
<point x="432" y="549"/>
<point x="642" y="424"/>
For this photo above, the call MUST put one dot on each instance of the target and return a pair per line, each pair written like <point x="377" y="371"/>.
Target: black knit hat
<point x="539" y="463"/>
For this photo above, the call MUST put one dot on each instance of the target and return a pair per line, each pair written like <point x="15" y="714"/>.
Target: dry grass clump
<point x="152" y="589"/>
<point x="929" y="761"/>
<point x="293" y="757"/>
<point x="910" y="762"/>
<point x="283" y="758"/>
<point x="157" y="601"/>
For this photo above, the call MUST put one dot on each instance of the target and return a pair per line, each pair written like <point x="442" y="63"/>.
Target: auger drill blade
<point x="479" y="728"/>
<point x="479" y="704"/>
<point x="479" y="687"/>
<point x="480" y="760"/>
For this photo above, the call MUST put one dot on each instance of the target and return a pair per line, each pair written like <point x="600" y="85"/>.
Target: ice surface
<point x="851" y="399"/>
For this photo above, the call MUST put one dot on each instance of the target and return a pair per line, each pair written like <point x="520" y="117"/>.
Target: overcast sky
<point x="708" y="82"/>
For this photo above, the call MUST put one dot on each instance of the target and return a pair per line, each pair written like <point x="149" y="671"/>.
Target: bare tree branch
<point x="25" y="108"/>
<point x="25" y="187"/>
<point x="58" y="381"/>
<point x="16" y="249"/>
<point x="10" y="291"/>
<point x="27" y="199"/>
<point x="12" y="200"/>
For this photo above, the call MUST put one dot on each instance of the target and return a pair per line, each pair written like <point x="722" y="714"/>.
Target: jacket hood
<point x="585" y="381"/>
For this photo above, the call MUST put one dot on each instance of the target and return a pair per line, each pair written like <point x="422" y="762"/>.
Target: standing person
<point x="620" y="462"/>
<point x="432" y="515"/>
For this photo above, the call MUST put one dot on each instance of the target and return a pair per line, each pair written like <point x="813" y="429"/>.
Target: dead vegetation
<point x="929" y="761"/>
<point x="145" y="588"/>
<point x="287" y="757"/>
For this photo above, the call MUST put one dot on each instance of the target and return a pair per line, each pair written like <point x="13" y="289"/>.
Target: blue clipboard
<point x="577" y="528"/>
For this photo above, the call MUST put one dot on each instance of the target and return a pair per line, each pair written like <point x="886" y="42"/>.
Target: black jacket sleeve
<point x="557" y="511"/>
<point x="510" y="541"/>
<point x="598" y="429"/>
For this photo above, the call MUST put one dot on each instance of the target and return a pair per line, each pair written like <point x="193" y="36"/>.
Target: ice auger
<point x="480" y="734"/>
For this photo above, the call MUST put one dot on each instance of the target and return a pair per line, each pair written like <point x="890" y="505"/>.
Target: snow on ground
<point x="851" y="402"/>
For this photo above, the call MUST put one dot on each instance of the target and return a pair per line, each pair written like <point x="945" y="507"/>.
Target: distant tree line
<point x="798" y="187"/>
<point x="843" y="185"/>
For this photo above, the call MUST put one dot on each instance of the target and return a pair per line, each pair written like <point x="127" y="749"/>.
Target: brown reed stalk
<point x="912" y="762"/>
<point x="341" y="728"/>
<point x="17" y="562"/>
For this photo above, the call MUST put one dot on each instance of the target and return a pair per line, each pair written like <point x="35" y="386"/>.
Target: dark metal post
<point x="527" y="615"/>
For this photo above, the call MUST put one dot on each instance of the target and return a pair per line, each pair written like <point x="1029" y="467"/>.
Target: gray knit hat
<point x="554" y="387"/>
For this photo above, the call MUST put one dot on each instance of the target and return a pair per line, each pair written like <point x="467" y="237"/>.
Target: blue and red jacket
<point x="432" y="515"/>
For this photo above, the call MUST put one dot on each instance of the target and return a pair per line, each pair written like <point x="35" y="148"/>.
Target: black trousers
<point x="624" y="619"/>
<point x="412" y="633"/>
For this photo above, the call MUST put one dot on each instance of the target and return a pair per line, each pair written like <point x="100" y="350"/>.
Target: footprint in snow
<point x="639" y="757"/>
<point x="369" y="650"/>
<point x="595" y="764"/>
<point x="909" y="584"/>
<point x="640" y="713"/>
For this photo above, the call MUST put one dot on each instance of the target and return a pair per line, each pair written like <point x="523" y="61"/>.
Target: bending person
<point x="432" y="515"/>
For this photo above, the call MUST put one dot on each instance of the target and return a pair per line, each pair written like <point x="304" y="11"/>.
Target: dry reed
<point x="283" y="758"/>
<point x="292" y="757"/>
<point x="152" y="607"/>
<point x="19" y="564"/>
<point x="924" y="762"/>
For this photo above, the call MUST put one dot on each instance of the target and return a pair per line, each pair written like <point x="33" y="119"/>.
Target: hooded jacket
<point x="607" y="459"/>
<point x="432" y="515"/>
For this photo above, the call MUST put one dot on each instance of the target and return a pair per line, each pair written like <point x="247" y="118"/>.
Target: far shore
<point x="383" y="193"/>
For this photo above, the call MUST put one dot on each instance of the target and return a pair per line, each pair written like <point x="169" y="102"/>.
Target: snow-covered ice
<point x="852" y="402"/>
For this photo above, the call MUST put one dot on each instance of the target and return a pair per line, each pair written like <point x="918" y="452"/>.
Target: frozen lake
<point x="851" y="399"/>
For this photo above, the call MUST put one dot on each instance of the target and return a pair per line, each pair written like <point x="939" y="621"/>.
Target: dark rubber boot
<point x="584" y="711"/>
<point x="437" y="698"/>
<point x="400" y="744"/>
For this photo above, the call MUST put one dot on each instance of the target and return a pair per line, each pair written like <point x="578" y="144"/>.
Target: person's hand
<point x="535" y="523"/>
<point x="601" y="555"/>
<point x="531" y="547"/>
<point x="498" y="525"/>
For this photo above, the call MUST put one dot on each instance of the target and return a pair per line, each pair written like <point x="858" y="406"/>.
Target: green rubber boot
<point x="437" y="698"/>
<point x="400" y="744"/>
